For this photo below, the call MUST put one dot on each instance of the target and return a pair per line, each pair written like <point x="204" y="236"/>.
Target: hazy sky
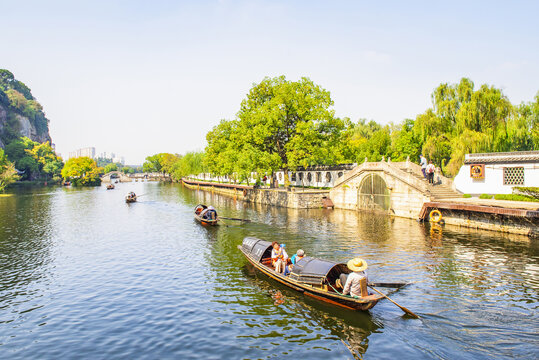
<point x="141" y="77"/>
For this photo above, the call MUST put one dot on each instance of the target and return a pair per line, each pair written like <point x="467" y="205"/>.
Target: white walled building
<point x="316" y="176"/>
<point x="498" y="173"/>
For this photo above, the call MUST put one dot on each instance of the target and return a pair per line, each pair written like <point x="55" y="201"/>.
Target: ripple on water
<point x="82" y="274"/>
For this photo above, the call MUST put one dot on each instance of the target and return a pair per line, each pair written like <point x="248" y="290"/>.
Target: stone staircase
<point x="442" y="188"/>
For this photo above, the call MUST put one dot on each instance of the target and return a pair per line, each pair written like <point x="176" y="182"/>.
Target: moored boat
<point x="311" y="276"/>
<point x="206" y="215"/>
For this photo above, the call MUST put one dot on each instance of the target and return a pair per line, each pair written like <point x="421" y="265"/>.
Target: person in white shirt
<point x="278" y="257"/>
<point x="351" y="282"/>
<point x="423" y="162"/>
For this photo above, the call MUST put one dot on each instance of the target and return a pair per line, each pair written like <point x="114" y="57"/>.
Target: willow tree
<point x="462" y="120"/>
<point x="280" y="125"/>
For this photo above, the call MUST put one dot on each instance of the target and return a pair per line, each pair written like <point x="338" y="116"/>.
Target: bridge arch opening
<point x="373" y="193"/>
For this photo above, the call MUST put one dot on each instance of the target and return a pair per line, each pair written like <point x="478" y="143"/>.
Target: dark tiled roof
<point x="503" y="157"/>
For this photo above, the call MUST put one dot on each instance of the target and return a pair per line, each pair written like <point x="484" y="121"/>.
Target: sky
<point x="141" y="77"/>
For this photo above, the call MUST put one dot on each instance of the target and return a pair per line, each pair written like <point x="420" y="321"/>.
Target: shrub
<point x="514" y="197"/>
<point x="485" y="196"/>
<point x="467" y="196"/>
<point x="527" y="191"/>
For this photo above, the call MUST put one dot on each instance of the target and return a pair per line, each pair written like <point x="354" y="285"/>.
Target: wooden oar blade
<point x="400" y="306"/>
<point x="227" y="218"/>
<point x="389" y="285"/>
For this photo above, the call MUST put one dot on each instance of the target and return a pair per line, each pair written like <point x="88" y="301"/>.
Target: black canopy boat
<point x="131" y="198"/>
<point x="314" y="277"/>
<point x="205" y="215"/>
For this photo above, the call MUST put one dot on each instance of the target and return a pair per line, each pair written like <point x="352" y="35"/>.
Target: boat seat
<point x="267" y="262"/>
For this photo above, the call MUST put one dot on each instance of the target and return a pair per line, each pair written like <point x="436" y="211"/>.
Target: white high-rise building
<point x="89" y="152"/>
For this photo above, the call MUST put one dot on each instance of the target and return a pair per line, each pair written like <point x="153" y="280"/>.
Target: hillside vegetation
<point x="20" y="113"/>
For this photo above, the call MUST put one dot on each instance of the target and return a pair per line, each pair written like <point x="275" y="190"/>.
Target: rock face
<point x="21" y="125"/>
<point x="20" y="113"/>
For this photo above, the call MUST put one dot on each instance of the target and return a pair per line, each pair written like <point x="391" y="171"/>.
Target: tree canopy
<point x="285" y="124"/>
<point x="82" y="171"/>
<point x="35" y="160"/>
<point x="281" y="124"/>
<point x="8" y="174"/>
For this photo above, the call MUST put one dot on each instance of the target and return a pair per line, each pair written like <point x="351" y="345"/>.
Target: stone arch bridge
<point x="394" y="187"/>
<point x="118" y="175"/>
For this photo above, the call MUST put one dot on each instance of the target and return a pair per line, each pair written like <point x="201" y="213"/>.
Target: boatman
<point x="352" y="282"/>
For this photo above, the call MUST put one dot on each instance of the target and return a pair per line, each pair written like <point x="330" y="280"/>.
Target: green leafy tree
<point x="111" y="167"/>
<point x="35" y="160"/>
<point x="82" y="171"/>
<point x="24" y="162"/>
<point x="8" y="174"/>
<point x="281" y="124"/>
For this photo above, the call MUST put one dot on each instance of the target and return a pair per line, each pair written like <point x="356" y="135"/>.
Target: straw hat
<point x="357" y="264"/>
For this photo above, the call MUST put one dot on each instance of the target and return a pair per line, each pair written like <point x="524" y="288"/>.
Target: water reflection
<point x="25" y="249"/>
<point x="81" y="267"/>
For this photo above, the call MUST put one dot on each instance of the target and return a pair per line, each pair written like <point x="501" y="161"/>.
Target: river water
<point x="84" y="275"/>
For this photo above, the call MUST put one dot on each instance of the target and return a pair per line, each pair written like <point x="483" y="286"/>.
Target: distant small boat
<point x="205" y="215"/>
<point x="67" y="183"/>
<point x="110" y="186"/>
<point x="116" y="182"/>
<point x="131" y="198"/>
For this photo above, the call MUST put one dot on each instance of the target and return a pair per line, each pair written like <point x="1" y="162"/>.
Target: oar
<point x="227" y="218"/>
<point x="388" y="285"/>
<point x="402" y="307"/>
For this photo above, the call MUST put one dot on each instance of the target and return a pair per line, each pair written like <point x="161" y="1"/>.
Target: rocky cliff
<point x="20" y="113"/>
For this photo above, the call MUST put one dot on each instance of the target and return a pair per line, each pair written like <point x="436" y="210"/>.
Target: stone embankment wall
<point x="309" y="199"/>
<point x="498" y="223"/>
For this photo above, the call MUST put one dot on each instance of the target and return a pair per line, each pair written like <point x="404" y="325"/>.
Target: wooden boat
<point x="198" y="210"/>
<point x="311" y="276"/>
<point x="110" y="186"/>
<point x="67" y="183"/>
<point x="131" y="198"/>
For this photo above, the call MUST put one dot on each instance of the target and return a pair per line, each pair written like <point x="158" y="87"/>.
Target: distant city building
<point x="498" y="173"/>
<point x="119" y="160"/>
<point x="89" y="152"/>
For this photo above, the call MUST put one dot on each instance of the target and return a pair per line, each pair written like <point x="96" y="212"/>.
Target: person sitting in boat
<point x="199" y="209"/>
<point x="300" y="254"/>
<point x="278" y="256"/>
<point x="351" y="281"/>
<point x="132" y="195"/>
<point x="209" y="214"/>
